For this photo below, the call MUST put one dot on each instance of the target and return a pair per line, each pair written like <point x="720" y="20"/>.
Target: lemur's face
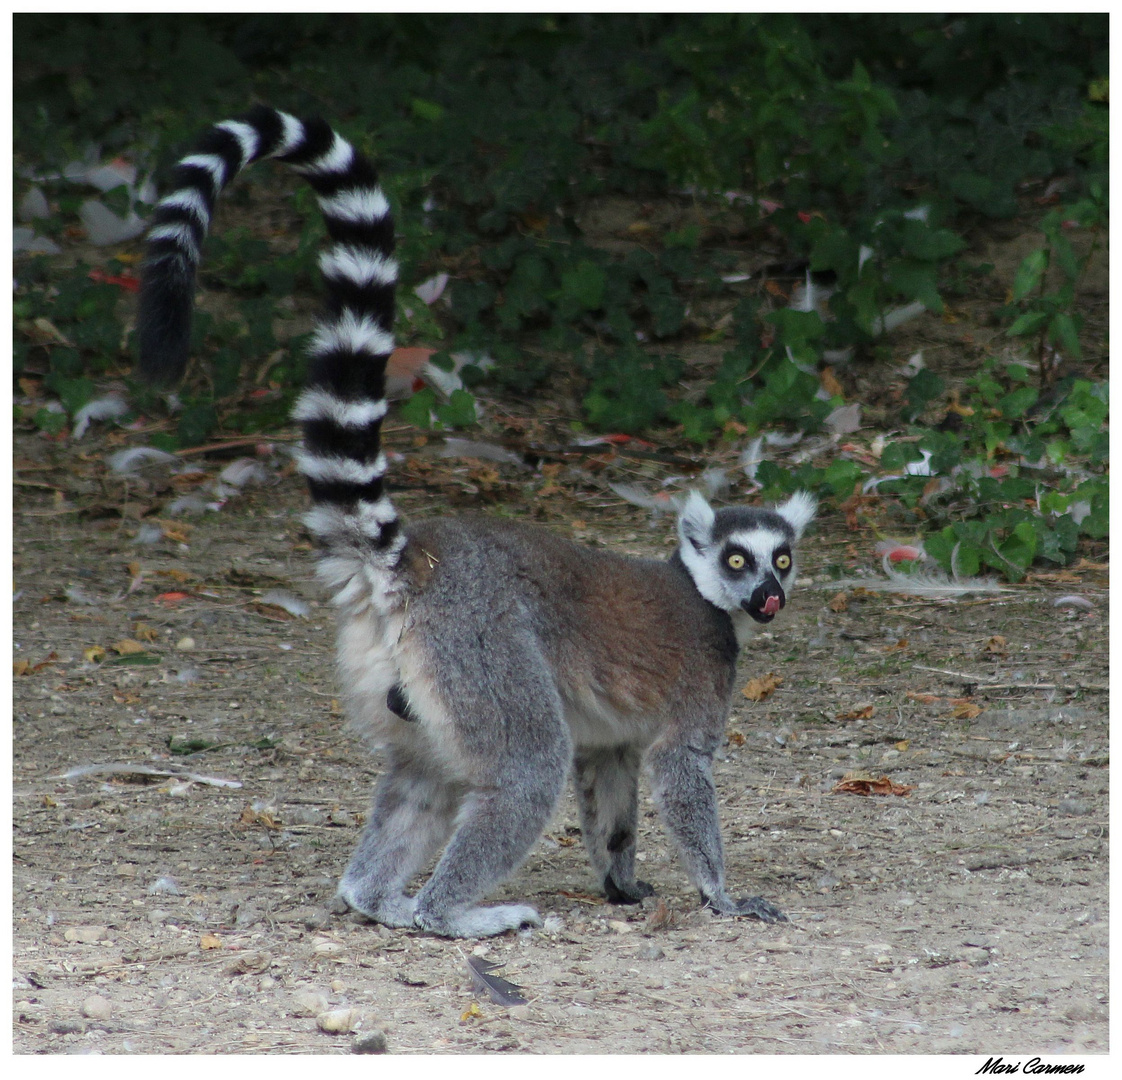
<point x="742" y="558"/>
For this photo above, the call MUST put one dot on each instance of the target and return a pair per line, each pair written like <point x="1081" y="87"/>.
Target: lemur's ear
<point x="695" y="521"/>
<point x="798" y="511"/>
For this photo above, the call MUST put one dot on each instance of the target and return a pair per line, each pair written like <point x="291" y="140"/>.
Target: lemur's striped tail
<point x="344" y="401"/>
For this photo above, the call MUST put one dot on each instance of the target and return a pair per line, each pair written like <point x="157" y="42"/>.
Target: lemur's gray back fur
<point x="485" y="657"/>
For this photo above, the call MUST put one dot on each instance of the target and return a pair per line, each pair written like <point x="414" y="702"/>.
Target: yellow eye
<point x="782" y="562"/>
<point x="736" y="561"/>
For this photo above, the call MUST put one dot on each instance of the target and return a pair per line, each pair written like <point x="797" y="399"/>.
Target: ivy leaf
<point x="922" y="242"/>
<point x="419" y="408"/>
<point x="916" y="280"/>
<point x="1020" y="547"/>
<point x="460" y="410"/>
<point x="583" y="285"/>
<point x="1016" y="403"/>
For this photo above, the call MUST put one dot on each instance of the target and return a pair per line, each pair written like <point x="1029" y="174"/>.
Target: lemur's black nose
<point x="766" y="601"/>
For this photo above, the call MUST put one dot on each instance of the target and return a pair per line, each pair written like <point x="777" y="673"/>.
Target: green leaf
<point x="923" y="242"/>
<point x="426" y="110"/>
<point x="796" y="327"/>
<point x="50" y="422"/>
<point x="196" y="422"/>
<point x="940" y="545"/>
<point x="1028" y="323"/>
<point x="917" y="281"/>
<point x="419" y="408"/>
<point x="460" y="410"/>
<point x="1063" y="332"/>
<point x="1015" y="404"/>
<point x="584" y="284"/>
<point x="923" y="387"/>
<point x="842" y="476"/>
<point x="1030" y="273"/>
<point x="1020" y="547"/>
<point x="1065" y="256"/>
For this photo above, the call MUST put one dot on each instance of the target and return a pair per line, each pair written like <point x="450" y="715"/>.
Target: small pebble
<point x="652" y="951"/>
<point x="337" y="1021"/>
<point x="87" y="935"/>
<point x="309" y="1003"/>
<point x="369" y="1042"/>
<point x="254" y="962"/>
<point x="97" y="1008"/>
<point x="185" y="644"/>
<point x="519" y="1012"/>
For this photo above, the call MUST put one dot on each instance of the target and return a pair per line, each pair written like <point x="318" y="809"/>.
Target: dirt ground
<point x="158" y="914"/>
<point x="190" y="909"/>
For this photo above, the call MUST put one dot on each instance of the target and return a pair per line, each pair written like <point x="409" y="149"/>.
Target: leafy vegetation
<point x="865" y="150"/>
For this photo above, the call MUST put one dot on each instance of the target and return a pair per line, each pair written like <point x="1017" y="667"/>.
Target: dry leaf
<point x="839" y="603"/>
<point x="902" y="745"/>
<point x="660" y="918"/>
<point x="997" y="646"/>
<point x="955" y="406"/>
<point x="923" y="699"/>
<point x="864" y="713"/>
<point x="143" y="632"/>
<point x="127" y="647"/>
<point x="272" y="612"/>
<point x="49" y="802"/>
<point x="735" y="738"/>
<point x="210" y="941"/>
<point x="898" y="647"/>
<point x="249" y="816"/>
<point x="830" y="383"/>
<point x="966" y="710"/>
<point x="472" y="1012"/>
<point x="51" y="333"/>
<point x="762" y="688"/>
<point x="21" y="667"/>
<point x="176" y="575"/>
<point x="863" y="784"/>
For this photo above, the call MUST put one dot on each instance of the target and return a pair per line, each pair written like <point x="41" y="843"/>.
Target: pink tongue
<point x="771" y="605"/>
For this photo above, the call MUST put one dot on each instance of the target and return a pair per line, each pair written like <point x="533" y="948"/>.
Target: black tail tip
<point x="163" y="323"/>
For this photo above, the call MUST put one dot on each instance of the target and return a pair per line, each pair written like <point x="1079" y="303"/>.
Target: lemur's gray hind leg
<point x="411" y="817"/>
<point x="511" y="737"/>
<point x="607" y="785"/>
<point x="687" y="800"/>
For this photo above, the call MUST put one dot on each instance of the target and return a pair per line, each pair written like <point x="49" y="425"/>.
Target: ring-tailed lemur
<point x="487" y="657"/>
